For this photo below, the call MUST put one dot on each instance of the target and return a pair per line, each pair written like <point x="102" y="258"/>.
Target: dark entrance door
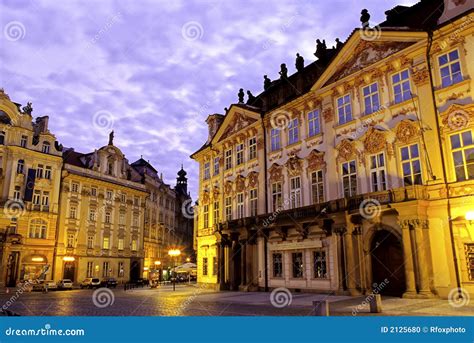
<point x="69" y="271"/>
<point x="135" y="270"/>
<point x="387" y="263"/>
<point x="12" y="269"/>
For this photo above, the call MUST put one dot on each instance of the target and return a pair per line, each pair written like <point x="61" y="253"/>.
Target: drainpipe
<point x="265" y="248"/>
<point x="450" y="223"/>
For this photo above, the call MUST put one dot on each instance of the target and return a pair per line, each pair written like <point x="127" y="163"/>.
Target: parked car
<point x="109" y="282"/>
<point x="50" y="285"/>
<point x="90" y="282"/>
<point x="139" y="281"/>
<point x="65" y="284"/>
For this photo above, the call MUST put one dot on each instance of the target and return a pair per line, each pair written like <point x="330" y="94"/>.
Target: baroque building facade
<point x="72" y="215"/>
<point x="354" y="174"/>
<point x="30" y="168"/>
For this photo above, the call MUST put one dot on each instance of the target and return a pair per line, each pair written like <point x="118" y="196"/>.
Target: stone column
<point x="232" y="266"/>
<point x="408" y="261"/>
<point x="221" y="265"/>
<point x="243" y="263"/>
<point x="424" y="278"/>
<point x="351" y="270"/>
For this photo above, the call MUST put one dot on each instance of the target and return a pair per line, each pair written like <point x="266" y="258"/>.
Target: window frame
<point x="377" y="171"/>
<point x="314" y="123"/>
<point x="351" y="177"/>
<point x="462" y="149"/>
<point x="344" y="106"/>
<point x="319" y="183"/>
<point x="449" y="64"/>
<point x="401" y="82"/>
<point x="293" y="131"/>
<point x="410" y="160"/>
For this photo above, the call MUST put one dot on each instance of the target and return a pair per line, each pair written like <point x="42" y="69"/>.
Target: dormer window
<point x="20" y="166"/>
<point x="46" y="147"/>
<point x="24" y="141"/>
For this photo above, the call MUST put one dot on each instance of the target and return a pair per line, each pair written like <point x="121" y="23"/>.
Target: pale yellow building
<point x="30" y="174"/>
<point x="354" y="174"/>
<point x="102" y="206"/>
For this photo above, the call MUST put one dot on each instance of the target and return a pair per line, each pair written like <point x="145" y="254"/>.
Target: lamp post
<point x="157" y="265"/>
<point x="174" y="253"/>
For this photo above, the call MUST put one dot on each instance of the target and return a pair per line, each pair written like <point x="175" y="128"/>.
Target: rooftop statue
<point x="299" y="63"/>
<point x="28" y="108"/>
<point x="364" y="18"/>
<point x="111" y="137"/>
<point x="339" y="44"/>
<point x="251" y="98"/>
<point x="266" y="82"/>
<point x="321" y="49"/>
<point x="283" y="71"/>
<point x="241" y="95"/>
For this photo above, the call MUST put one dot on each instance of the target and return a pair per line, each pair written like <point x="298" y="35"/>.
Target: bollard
<point x="321" y="308"/>
<point x="375" y="303"/>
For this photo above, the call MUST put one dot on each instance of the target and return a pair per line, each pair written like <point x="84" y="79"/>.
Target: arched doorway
<point x="387" y="264"/>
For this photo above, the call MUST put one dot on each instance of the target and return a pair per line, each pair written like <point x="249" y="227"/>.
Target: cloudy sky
<point x="153" y="70"/>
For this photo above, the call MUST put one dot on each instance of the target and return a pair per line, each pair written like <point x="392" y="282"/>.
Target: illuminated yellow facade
<point x="30" y="162"/>
<point x="360" y="179"/>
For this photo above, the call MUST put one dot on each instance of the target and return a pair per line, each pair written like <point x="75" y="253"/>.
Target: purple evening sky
<point x="153" y="70"/>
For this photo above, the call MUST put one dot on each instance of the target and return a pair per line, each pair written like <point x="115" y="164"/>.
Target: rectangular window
<point x="297" y="265"/>
<point x="39" y="171"/>
<point x="214" y="266"/>
<point x="134" y="245"/>
<point x="293" y="135"/>
<point x="94" y="191"/>
<point x="253" y="195"/>
<point x="36" y="198"/>
<point x="90" y="269"/>
<point x="105" y="269"/>
<point x="90" y="242"/>
<point x="239" y="154"/>
<point x="252" y="148"/>
<point x="20" y="166"/>
<point x="107" y="217"/>
<point x="24" y="141"/>
<point x="228" y="208"/>
<point x="106" y="243"/>
<point x="120" y="244"/>
<point x="110" y="195"/>
<point x="275" y="138"/>
<point x="121" y="269"/>
<point x="135" y="220"/>
<point x="349" y="179"/>
<point x="74" y="187"/>
<point x="462" y="148"/>
<point x="371" y="98"/>
<point x="277" y="200"/>
<point x="216" y="212"/>
<point x="295" y="192"/>
<point x="317" y="186"/>
<point x="378" y="173"/>
<point x="411" y="165"/>
<point x="320" y="265"/>
<point x="240" y="205"/>
<point x="469" y="248"/>
<point x="206" y="216"/>
<point x="216" y="166"/>
<point x="401" y="86"/>
<point x="72" y="212"/>
<point x="207" y="171"/>
<point x="122" y="218"/>
<point x="277" y="263"/>
<point x="45" y="199"/>
<point x="450" y="68"/>
<point x="47" y="173"/>
<point x="92" y="214"/>
<point x="314" y="126"/>
<point x="70" y="240"/>
<point x="344" y="109"/>
<point x="123" y="198"/>
<point x="17" y="193"/>
<point x="204" y="266"/>
<point x="228" y="159"/>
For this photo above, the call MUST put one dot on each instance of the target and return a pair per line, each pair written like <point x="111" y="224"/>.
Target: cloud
<point x="130" y="58"/>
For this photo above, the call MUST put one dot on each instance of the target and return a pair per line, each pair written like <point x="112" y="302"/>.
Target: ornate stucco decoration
<point x="328" y="114"/>
<point x="253" y="179"/>
<point x="216" y="192"/>
<point x="406" y="131"/>
<point x="228" y="188"/>
<point x="276" y="173"/>
<point x="316" y="160"/>
<point x="205" y="197"/>
<point x="240" y="183"/>
<point x="420" y="76"/>
<point x="374" y="141"/>
<point x="294" y="166"/>
<point x="457" y="117"/>
<point x="345" y="150"/>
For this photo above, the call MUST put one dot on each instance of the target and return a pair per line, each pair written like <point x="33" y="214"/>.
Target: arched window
<point x="20" y="166"/>
<point x="46" y="147"/>
<point x="38" y="228"/>
<point x="2" y="137"/>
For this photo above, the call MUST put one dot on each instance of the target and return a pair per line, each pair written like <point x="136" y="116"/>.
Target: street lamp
<point x="174" y="253"/>
<point x="188" y="259"/>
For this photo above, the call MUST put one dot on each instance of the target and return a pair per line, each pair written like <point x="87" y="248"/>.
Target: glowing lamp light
<point x="145" y="268"/>
<point x="188" y="259"/>
<point x="69" y="259"/>
<point x="157" y="263"/>
<point x="174" y="252"/>
<point x="37" y="259"/>
<point x="470" y="216"/>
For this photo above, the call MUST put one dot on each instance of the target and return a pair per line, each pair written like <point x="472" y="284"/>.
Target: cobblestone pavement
<point x="194" y="301"/>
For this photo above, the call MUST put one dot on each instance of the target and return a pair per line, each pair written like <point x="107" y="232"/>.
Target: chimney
<point x="213" y="122"/>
